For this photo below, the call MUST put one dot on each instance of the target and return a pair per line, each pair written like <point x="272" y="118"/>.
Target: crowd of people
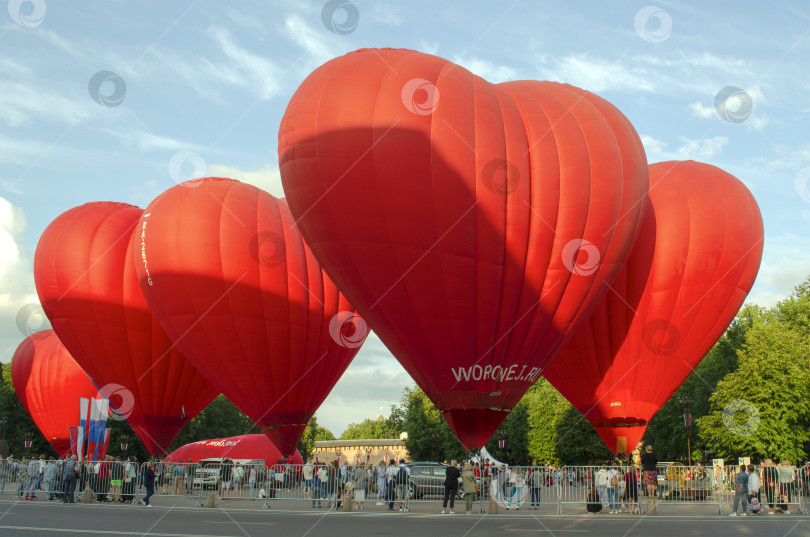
<point x="780" y="483"/>
<point x="611" y="487"/>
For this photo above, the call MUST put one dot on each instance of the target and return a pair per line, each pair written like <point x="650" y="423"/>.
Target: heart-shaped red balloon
<point x="232" y="282"/>
<point x="87" y="285"/>
<point x="49" y="384"/>
<point x="694" y="262"/>
<point x="472" y="224"/>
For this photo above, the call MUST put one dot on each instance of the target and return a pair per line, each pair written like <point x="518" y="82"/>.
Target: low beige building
<point x="370" y="451"/>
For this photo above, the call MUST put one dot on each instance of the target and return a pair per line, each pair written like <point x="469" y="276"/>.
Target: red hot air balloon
<point x="49" y="384"/>
<point x="694" y="262"/>
<point x="473" y="225"/>
<point x="86" y="282"/>
<point x="233" y="284"/>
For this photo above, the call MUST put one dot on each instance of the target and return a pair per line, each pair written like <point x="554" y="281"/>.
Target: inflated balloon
<point x="472" y="224"/>
<point x="694" y="262"/>
<point x="86" y="281"/>
<point x="226" y="272"/>
<point x="49" y="384"/>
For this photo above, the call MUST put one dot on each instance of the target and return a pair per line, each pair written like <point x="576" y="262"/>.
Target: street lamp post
<point x="686" y="400"/>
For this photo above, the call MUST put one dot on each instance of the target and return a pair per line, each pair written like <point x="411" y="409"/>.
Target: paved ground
<point x="171" y="518"/>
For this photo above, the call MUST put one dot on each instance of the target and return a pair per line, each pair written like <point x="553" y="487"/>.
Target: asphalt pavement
<point x="50" y="519"/>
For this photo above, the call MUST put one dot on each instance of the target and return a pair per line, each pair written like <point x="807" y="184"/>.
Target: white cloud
<point x="702" y="149"/>
<point x="702" y="111"/>
<point x="267" y="178"/>
<point x="245" y="68"/>
<point x="384" y="13"/>
<point x="373" y="380"/>
<point x="487" y="70"/>
<point x="318" y="48"/>
<point x="652" y="146"/>
<point x="596" y="74"/>
<point x="147" y="141"/>
<point x="16" y="282"/>
<point x="22" y="103"/>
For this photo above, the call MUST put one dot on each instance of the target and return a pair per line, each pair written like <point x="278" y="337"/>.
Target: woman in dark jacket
<point x="451" y="476"/>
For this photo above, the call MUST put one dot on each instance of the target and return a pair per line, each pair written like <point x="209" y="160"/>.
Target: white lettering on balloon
<point x="512" y="373"/>
<point x="143" y="249"/>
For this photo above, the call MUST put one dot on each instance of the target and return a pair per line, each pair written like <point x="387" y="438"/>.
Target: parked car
<point x="427" y="479"/>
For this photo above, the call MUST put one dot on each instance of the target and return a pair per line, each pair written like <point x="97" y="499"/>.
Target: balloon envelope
<point x="472" y="224"/>
<point x="694" y="262"/>
<point x="245" y="447"/>
<point x="49" y="384"/>
<point x="87" y="285"/>
<point x="232" y="282"/>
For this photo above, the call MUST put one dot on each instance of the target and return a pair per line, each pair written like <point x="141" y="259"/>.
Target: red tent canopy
<point x="248" y="446"/>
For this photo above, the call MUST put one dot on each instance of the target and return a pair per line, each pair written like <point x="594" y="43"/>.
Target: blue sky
<point x="198" y="88"/>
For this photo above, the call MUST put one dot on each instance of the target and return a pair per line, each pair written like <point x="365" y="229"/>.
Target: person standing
<point x="535" y="484"/>
<point x="631" y="488"/>
<point x="451" y="475"/>
<point x="381" y="483"/>
<point x="179" y="477"/>
<point x="516" y="484"/>
<point x="649" y="465"/>
<point x="34" y="477"/>
<point x="391" y="483"/>
<point x="130" y="477"/>
<point x="612" y="489"/>
<point x="469" y="487"/>
<point x="403" y="473"/>
<point x="740" y="491"/>
<point x="787" y="482"/>
<point x="70" y="474"/>
<point x="307" y="473"/>
<point x="601" y="484"/>
<point x="149" y="482"/>
<point x="754" y="483"/>
<point x="770" y="478"/>
<point x="50" y="476"/>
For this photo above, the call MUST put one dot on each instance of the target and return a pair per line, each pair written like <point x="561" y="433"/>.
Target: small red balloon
<point x="49" y="384"/>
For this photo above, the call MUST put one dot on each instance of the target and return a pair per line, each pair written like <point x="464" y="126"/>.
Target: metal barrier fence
<point x="782" y="488"/>
<point x="776" y="488"/>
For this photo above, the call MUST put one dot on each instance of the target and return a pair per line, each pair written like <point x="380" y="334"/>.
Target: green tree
<point x="666" y="430"/>
<point x="19" y="422"/>
<point x="545" y="408"/>
<point x="761" y="409"/>
<point x="379" y="428"/>
<point x="429" y="436"/>
<point x="313" y="433"/>
<point x="578" y="442"/>
<point x="514" y="431"/>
